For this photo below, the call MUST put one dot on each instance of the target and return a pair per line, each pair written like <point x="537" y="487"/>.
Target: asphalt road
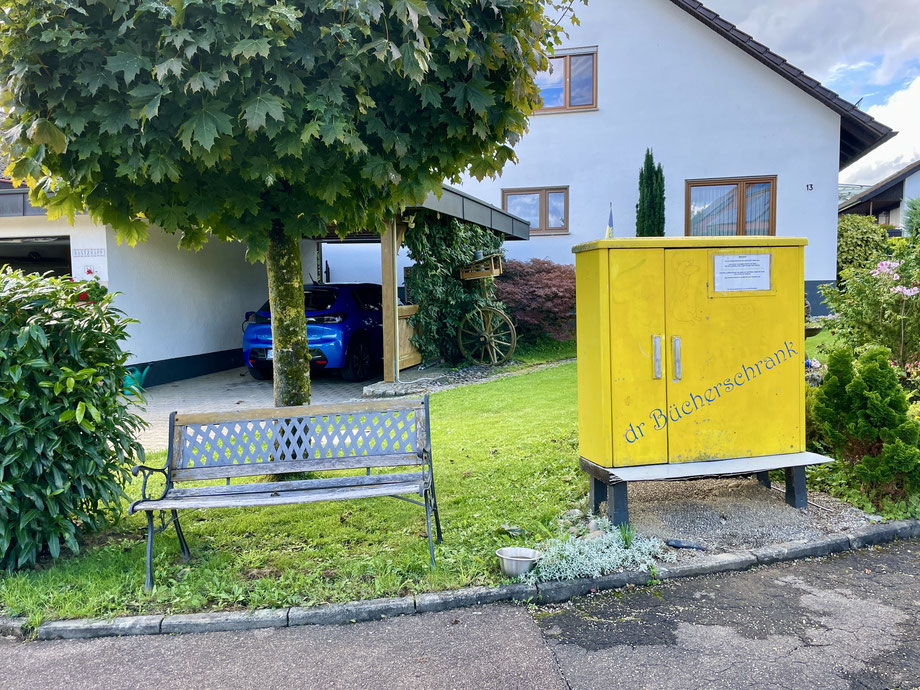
<point x="849" y="621"/>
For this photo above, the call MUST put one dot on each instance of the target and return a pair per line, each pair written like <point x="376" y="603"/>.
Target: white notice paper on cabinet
<point x="741" y="272"/>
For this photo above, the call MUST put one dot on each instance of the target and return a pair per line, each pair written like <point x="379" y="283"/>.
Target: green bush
<point x="66" y="431"/>
<point x="862" y="410"/>
<point x="860" y="242"/>
<point x="880" y="304"/>
<point x="912" y="220"/>
<point x="650" y="209"/>
<point x="814" y="433"/>
<point x="440" y="246"/>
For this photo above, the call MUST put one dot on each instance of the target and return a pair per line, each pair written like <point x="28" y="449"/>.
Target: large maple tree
<point x="264" y="121"/>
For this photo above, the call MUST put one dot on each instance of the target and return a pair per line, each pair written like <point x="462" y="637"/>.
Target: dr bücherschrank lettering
<point x="659" y="419"/>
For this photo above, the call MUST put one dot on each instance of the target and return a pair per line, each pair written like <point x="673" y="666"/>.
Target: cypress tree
<point x="650" y="209"/>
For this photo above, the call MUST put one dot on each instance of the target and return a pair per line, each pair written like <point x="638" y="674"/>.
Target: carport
<point x="398" y="352"/>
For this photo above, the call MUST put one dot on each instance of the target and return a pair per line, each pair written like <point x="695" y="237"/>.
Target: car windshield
<point x="314" y="299"/>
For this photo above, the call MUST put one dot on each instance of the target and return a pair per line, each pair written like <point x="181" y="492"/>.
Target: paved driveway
<point x="849" y="621"/>
<point x="224" y="391"/>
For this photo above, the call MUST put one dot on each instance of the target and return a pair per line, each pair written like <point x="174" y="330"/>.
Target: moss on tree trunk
<point x="289" y="323"/>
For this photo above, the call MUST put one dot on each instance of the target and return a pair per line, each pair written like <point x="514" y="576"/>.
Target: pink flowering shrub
<point x="881" y="305"/>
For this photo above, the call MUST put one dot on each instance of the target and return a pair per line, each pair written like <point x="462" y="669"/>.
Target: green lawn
<point x="504" y="453"/>
<point x="820" y="345"/>
<point x="546" y="350"/>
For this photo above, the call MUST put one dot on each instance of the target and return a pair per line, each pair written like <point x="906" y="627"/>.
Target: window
<point x="739" y="206"/>
<point x="547" y="209"/>
<point x="570" y="83"/>
<point x="368" y="297"/>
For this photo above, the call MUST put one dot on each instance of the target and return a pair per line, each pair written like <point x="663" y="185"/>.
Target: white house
<point x="189" y="306"/>
<point x="887" y="200"/>
<point x="748" y="143"/>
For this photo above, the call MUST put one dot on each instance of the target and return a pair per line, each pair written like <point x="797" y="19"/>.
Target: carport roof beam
<point x="455" y="204"/>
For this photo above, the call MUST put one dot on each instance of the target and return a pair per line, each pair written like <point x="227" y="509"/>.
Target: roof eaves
<point x="881" y="186"/>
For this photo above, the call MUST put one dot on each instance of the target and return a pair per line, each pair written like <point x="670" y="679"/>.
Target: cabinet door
<point x="735" y="327"/>
<point x="637" y="355"/>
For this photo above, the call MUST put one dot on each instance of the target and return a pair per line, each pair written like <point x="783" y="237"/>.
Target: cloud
<point x="820" y="35"/>
<point x="902" y="113"/>
<point x="861" y="49"/>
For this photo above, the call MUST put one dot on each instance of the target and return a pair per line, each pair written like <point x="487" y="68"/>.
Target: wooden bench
<point x="392" y="435"/>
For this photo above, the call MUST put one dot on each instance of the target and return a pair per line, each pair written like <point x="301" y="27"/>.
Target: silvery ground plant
<point x="570" y="557"/>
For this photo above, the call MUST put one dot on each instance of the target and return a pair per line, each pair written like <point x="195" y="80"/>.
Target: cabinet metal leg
<point x="796" y="493"/>
<point x="597" y="494"/>
<point x="618" y="504"/>
<point x="764" y="478"/>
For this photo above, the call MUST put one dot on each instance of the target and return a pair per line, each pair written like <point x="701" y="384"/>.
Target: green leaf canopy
<point x="233" y="117"/>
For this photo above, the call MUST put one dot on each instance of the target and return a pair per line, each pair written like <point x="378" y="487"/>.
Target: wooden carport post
<point x="390" y="242"/>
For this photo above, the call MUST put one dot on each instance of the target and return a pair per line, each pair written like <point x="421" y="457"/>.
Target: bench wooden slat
<point x="324" y="483"/>
<point x="304" y="411"/>
<point x="282" y="498"/>
<point x="185" y="474"/>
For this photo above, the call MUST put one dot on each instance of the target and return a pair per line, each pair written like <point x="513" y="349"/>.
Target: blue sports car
<point x="344" y="329"/>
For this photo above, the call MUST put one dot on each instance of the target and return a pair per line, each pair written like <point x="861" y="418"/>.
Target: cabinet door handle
<point x="675" y="344"/>
<point x="656" y="348"/>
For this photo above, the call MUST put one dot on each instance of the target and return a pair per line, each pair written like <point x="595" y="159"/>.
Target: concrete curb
<point x="12" y="627"/>
<point x="377" y="609"/>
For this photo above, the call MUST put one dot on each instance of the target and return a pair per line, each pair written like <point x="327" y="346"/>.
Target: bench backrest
<point x="282" y="440"/>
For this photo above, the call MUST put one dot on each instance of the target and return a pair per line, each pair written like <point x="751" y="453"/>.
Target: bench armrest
<point x="147" y="472"/>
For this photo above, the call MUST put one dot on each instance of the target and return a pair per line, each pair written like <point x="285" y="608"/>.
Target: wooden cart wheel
<point x="487" y="336"/>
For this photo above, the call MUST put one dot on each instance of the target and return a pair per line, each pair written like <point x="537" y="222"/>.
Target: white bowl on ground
<point x="517" y="560"/>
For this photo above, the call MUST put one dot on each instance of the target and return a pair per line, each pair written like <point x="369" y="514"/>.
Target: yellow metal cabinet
<point x="690" y="349"/>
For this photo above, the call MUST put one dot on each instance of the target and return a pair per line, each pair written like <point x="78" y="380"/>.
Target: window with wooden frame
<point x="731" y="206"/>
<point x="547" y="208"/>
<point x="570" y="83"/>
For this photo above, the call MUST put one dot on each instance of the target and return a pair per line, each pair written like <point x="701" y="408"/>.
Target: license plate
<point x="269" y="354"/>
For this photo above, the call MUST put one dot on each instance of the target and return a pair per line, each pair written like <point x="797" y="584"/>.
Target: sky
<point x="862" y="49"/>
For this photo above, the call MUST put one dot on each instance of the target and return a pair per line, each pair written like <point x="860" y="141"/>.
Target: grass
<point x="504" y="453"/>
<point x="819" y="345"/>
<point x="543" y="351"/>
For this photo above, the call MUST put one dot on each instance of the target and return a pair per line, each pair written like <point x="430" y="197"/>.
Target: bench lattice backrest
<point x="297" y="439"/>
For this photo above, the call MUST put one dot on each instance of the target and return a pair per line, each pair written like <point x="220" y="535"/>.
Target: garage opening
<point x="37" y="254"/>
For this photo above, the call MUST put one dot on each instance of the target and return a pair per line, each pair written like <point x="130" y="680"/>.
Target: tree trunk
<point x="289" y="323"/>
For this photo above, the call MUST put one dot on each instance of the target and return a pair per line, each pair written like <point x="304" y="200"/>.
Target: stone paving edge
<point x="378" y="609"/>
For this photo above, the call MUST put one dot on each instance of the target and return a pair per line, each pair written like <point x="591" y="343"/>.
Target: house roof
<point x="859" y="132"/>
<point x="456" y="204"/>
<point x="881" y="187"/>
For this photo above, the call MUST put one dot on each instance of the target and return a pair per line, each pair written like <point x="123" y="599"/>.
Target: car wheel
<point x="260" y="374"/>
<point x="358" y="360"/>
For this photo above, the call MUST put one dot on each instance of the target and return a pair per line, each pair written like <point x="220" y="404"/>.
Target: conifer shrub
<point x="863" y="413"/>
<point x="540" y="297"/>
<point x="650" y="209"/>
<point x="66" y="429"/>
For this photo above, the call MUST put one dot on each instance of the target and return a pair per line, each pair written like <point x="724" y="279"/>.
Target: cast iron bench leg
<point x="796" y="493"/>
<point x="428" y="524"/>
<point x="183" y="545"/>
<point x="434" y="506"/>
<point x="617" y="504"/>
<point x="148" y="583"/>
<point x="598" y="494"/>
<point x="764" y="478"/>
